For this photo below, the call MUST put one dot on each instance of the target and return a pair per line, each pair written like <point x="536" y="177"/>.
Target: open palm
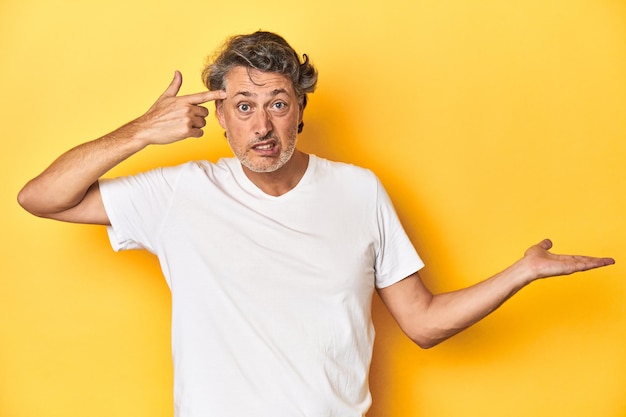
<point x="547" y="264"/>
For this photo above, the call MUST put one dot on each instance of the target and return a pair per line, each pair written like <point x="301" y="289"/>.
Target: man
<point x="272" y="257"/>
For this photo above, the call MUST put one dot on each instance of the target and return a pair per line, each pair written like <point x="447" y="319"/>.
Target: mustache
<point x="269" y="135"/>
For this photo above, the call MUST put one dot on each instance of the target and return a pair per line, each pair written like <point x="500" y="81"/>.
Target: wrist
<point x="131" y="137"/>
<point x="523" y="272"/>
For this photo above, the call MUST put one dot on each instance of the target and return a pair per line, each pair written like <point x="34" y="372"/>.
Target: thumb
<point x="546" y="244"/>
<point x="174" y="87"/>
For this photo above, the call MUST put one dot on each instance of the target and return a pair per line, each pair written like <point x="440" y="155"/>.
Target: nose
<point x="262" y="123"/>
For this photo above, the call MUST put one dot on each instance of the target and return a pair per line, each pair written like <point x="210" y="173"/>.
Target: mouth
<point x="264" y="146"/>
<point x="267" y="147"/>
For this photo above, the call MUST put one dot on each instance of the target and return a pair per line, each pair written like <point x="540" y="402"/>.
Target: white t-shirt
<point x="271" y="296"/>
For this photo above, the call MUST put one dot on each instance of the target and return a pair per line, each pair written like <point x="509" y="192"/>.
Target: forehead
<point x="250" y="81"/>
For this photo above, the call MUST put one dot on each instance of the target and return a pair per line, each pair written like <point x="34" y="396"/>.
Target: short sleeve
<point x="396" y="257"/>
<point x="137" y="206"/>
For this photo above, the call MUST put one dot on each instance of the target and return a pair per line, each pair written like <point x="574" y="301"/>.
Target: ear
<point x="219" y="112"/>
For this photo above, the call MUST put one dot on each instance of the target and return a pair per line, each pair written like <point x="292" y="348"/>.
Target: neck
<point x="282" y="180"/>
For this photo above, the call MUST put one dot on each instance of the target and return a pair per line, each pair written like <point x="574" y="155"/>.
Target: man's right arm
<point x="68" y="189"/>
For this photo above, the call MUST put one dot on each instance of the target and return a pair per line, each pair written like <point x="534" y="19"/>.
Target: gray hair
<point x="263" y="51"/>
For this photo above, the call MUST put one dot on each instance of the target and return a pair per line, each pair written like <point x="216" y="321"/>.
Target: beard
<point x="269" y="164"/>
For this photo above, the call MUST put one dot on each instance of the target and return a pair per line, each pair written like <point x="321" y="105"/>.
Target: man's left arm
<point x="428" y="319"/>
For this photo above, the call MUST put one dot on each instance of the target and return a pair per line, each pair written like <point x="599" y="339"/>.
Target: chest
<point x="319" y="244"/>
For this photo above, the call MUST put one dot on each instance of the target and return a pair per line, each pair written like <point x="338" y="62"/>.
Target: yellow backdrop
<point x="493" y="124"/>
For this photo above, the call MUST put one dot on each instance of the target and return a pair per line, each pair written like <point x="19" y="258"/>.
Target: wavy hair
<point x="263" y="51"/>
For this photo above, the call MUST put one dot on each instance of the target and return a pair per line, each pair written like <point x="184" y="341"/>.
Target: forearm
<point x="450" y="313"/>
<point x="65" y="182"/>
<point x="430" y="319"/>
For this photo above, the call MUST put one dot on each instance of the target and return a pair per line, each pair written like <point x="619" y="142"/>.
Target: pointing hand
<point x="172" y="117"/>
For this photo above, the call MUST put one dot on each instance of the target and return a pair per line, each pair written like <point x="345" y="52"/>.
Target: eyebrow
<point x="274" y="92"/>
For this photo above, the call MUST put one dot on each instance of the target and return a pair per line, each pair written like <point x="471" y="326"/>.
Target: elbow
<point x="26" y="198"/>
<point x="425" y="342"/>
<point x="427" y="338"/>
<point x="429" y="344"/>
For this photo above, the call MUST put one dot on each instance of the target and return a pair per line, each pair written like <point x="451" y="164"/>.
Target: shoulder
<point x="344" y="179"/>
<point x="165" y="177"/>
<point x="199" y="169"/>
<point x="343" y="170"/>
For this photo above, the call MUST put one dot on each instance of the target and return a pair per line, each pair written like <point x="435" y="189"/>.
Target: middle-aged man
<point x="272" y="257"/>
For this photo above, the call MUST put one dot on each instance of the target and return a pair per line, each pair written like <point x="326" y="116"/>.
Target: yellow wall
<point x="492" y="123"/>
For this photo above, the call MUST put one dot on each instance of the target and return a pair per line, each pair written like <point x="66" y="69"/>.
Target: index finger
<point x="205" y="96"/>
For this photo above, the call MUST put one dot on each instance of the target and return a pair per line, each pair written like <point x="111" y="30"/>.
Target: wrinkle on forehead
<point x="255" y="76"/>
<point x="272" y="93"/>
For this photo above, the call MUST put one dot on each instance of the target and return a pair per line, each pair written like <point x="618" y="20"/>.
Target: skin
<point x="260" y="116"/>
<point x="68" y="190"/>
<point x="262" y="133"/>
<point x="429" y="319"/>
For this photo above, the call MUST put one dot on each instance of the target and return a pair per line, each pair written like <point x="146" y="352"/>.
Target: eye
<point x="279" y="105"/>
<point x="243" y="107"/>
